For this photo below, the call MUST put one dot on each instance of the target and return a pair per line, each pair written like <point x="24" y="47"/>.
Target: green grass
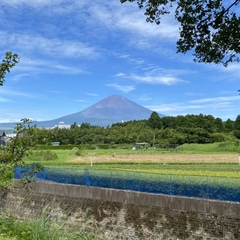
<point x="39" y="229"/>
<point x="189" y="169"/>
<point x="222" y="147"/>
<point x="211" y="170"/>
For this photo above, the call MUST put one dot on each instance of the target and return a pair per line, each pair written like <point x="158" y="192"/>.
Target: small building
<point x="55" y="143"/>
<point x="62" y="125"/>
<point x="140" y="145"/>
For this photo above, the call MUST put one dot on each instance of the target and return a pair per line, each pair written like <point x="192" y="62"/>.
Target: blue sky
<point x="74" y="53"/>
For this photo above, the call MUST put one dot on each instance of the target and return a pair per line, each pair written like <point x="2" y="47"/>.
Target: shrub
<point x="78" y="153"/>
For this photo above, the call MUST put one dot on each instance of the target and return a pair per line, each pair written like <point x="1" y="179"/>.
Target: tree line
<point x="155" y="130"/>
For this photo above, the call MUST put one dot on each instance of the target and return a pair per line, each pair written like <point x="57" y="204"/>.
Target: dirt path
<point x="160" y="158"/>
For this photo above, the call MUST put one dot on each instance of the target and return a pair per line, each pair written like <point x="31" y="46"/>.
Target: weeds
<point x="38" y="229"/>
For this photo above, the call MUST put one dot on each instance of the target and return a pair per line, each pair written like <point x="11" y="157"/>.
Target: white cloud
<point x="44" y="66"/>
<point x="58" y="92"/>
<point x="131" y="19"/>
<point x="165" y="80"/>
<point x="172" y="108"/>
<point x="120" y="75"/>
<point x="49" y="47"/>
<point x="194" y="94"/>
<point x="216" y="99"/>
<point x="232" y="71"/>
<point x="35" y="3"/>
<point x="80" y="100"/>
<point x="4" y="100"/>
<point x="145" y="97"/>
<point x="92" y="94"/>
<point x="135" y="61"/>
<point x="152" y="79"/>
<point x="151" y="74"/>
<point x="221" y="106"/>
<point x="125" y="89"/>
<point x="11" y="93"/>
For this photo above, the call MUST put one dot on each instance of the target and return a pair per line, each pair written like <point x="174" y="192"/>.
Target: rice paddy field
<point x="205" y="175"/>
<point x="194" y="173"/>
<point x="201" y="161"/>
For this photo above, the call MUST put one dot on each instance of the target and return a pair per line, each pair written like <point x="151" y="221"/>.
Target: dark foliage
<point x="167" y="130"/>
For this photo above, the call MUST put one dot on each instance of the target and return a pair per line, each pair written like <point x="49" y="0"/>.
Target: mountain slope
<point x="112" y="109"/>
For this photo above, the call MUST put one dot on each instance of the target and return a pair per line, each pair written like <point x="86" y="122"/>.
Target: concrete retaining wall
<point x="121" y="214"/>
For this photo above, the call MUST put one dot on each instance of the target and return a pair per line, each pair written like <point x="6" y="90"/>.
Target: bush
<point x="78" y="153"/>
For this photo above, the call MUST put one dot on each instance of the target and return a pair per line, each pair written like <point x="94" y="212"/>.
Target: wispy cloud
<point x="11" y="93"/>
<point x="145" y="97"/>
<point x="92" y="94"/>
<point x="193" y="94"/>
<point x="164" y="80"/>
<point x="54" y="47"/>
<point x="124" y="89"/>
<point x="58" y="92"/>
<point x="150" y="74"/>
<point x="19" y="77"/>
<point x="173" y="108"/>
<point x="167" y="79"/>
<point x="129" y="18"/>
<point x="219" y="105"/>
<point x="216" y="99"/>
<point x="4" y="100"/>
<point x="232" y="71"/>
<point x="132" y="60"/>
<point x="80" y="100"/>
<point x="38" y="3"/>
<point x="45" y="66"/>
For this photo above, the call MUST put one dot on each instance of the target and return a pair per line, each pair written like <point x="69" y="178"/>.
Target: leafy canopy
<point x="209" y="28"/>
<point x="10" y="61"/>
<point x="155" y="121"/>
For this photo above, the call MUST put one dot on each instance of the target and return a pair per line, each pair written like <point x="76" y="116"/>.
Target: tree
<point x="210" y="28"/>
<point x="18" y="147"/>
<point x="10" y="61"/>
<point x="237" y="127"/>
<point x="155" y="123"/>
<point x="229" y="125"/>
<point x="237" y="123"/>
<point x="218" y="125"/>
<point x="14" y="153"/>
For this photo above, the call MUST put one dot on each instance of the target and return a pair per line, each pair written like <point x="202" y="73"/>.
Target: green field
<point x="215" y="160"/>
<point x="189" y="171"/>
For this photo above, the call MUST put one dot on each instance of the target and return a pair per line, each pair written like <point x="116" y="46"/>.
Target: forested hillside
<point x="167" y="130"/>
